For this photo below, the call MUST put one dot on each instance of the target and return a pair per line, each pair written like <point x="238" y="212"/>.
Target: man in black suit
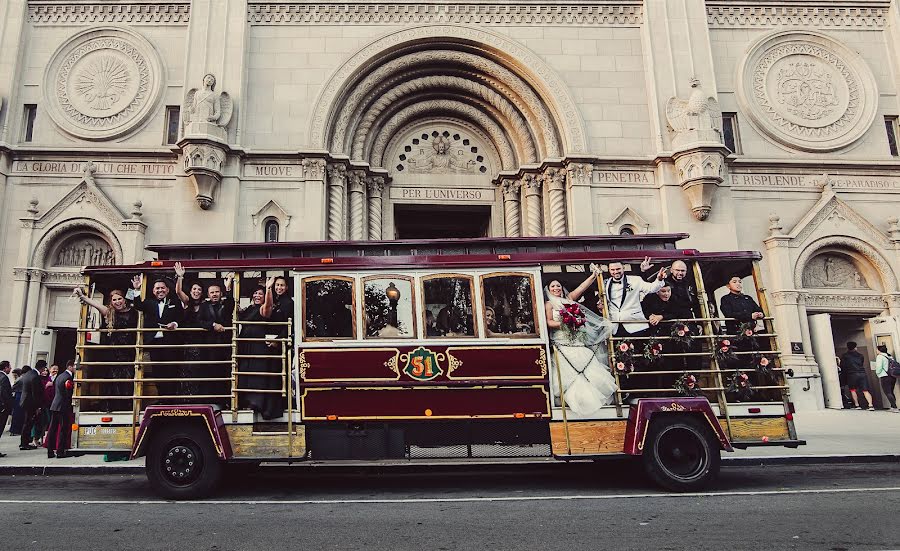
<point x="164" y="313"/>
<point x="215" y="315"/>
<point x="61" y="413"/>
<point x="6" y="397"/>
<point x="31" y="399"/>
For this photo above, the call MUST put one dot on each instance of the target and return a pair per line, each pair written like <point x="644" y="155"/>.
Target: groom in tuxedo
<point x="164" y="313"/>
<point x="623" y="297"/>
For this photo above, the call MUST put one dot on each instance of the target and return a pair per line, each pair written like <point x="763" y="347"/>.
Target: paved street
<point x="580" y="506"/>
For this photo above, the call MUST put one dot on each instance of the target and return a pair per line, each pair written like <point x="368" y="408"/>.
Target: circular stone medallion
<point x="807" y="91"/>
<point x="103" y="83"/>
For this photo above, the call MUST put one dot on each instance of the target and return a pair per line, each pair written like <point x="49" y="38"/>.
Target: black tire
<point x="182" y="463"/>
<point x="681" y="453"/>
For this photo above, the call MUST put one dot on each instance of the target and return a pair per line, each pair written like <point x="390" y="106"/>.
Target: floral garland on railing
<point x="739" y="385"/>
<point x="747" y="333"/>
<point x="681" y="334"/>
<point x="763" y="365"/>
<point x="687" y="385"/>
<point x="652" y="351"/>
<point x="624" y="359"/>
<point x="724" y="351"/>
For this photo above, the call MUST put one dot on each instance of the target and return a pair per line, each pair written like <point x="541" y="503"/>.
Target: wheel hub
<point x="180" y="464"/>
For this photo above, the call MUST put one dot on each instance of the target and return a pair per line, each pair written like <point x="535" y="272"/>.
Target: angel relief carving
<point x="207" y="105"/>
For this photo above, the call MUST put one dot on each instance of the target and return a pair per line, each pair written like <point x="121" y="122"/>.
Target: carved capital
<point x="532" y="183"/>
<point x="203" y="164"/>
<point x="579" y="174"/>
<point x="375" y="186"/>
<point x="35" y="274"/>
<point x="357" y="181"/>
<point x="555" y="178"/>
<point x="894" y="229"/>
<point x="511" y="189"/>
<point x="780" y="298"/>
<point x="313" y="169"/>
<point x="337" y="175"/>
<point x="699" y="174"/>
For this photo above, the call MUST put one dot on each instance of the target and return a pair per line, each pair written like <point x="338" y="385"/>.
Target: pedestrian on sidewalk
<point x="855" y="365"/>
<point x="887" y="382"/>
<point x="18" y="416"/>
<point x="42" y="419"/>
<point x="59" y="433"/>
<point x="6" y="397"/>
<point x="31" y="399"/>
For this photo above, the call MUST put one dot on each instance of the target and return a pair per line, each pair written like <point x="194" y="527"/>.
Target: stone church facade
<point x="751" y="125"/>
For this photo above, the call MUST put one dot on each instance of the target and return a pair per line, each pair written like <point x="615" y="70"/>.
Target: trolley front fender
<point x="157" y="416"/>
<point x="640" y="416"/>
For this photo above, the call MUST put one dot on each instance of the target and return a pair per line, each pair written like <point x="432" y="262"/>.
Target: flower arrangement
<point x="624" y="359"/>
<point x="739" y="385"/>
<point x="724" y="351"/>
<point x="572" y="317"/>
<point x="763" y="365"/>
<point x="681" y="334"/>
<point x="653" y="351"/>
<point x="747" y="333"/>
<point x="687" y="385"/>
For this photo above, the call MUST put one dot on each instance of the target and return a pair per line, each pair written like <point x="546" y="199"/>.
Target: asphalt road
<point x="587" y="506"/>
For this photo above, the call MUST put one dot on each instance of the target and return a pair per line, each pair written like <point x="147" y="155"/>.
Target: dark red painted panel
<point x="506" y="362"/>
<point x="347" y="363"/>
<point x="413" y="402"/>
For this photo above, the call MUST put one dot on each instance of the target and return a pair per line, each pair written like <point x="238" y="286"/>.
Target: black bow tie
<point x="618" y="281"/>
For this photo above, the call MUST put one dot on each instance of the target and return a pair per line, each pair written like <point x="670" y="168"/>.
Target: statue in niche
<point x="833" y="271"/>
<point x="85" y="252"/>
<point x="207" y="105"/>
<point x="444" y="157"/>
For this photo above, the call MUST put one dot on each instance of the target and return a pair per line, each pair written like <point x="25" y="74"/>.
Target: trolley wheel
<point x="182" y="463"/>
<point x="681" y="454"/>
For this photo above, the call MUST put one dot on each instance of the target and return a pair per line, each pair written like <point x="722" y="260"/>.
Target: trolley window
<point x="328" y="308"/>
<point x="508" y="305"/>
<point x="448" y="306"/>
<point x="388" y="305"/>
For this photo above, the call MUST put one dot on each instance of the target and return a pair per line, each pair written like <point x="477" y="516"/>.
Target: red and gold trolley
<point x="415" y="351"/>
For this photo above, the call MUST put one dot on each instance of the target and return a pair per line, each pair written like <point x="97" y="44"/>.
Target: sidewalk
<point x="831" y="436"/>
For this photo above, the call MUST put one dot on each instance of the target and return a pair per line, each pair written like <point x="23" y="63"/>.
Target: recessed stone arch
<point x="58" y="236"/>
<point x="503" y="75"/>
<point x="850" y="246"/>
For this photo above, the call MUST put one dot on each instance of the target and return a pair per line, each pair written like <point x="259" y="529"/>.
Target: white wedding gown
<point x="586" y="380"/>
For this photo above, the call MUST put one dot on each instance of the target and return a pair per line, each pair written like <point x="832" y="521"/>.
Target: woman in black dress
<point x="191" y="303"/>
<point x="118" y="314"/>
<point x="268" y="404"/>
<point x="282" y="311"/>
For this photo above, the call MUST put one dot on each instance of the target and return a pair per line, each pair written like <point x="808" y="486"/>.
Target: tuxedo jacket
<point x="627" y="305"/>
<point x="172" y="311"/>
<point x="64" y="385"/>
<point x="216" y="313"/>
<point x="6" y="395"/>
<point x="32" y="390"/>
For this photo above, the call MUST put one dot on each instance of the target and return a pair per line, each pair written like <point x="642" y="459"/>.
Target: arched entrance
<point x="448" y="129"/>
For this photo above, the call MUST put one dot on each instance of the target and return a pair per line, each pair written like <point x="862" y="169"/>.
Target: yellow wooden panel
<point x="99" y="437"/>
<point x="753" y="429"/>
<point x="589" y="437"/>
<point x="246" y="443"/>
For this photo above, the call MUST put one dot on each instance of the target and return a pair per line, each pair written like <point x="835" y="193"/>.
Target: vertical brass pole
<point x="707" y="330"/>
<point x="236" y="293"/>
<point x="290" y="388"/>
<point x="138" y="367"/>
<point x="562" y="399"/>
<point x="610" y="345"/>
<point x="79" y="352"/>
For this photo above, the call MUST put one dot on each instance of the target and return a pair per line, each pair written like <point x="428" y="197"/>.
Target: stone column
<point x="35" y="278"/>
<point x="512" y="219"/>
<point x="555" y="179"/>
<point x="532" y="187"/>
<point x="337" y="181"/>
<point x="357" y="188"/>
<point x="376" y="189"/>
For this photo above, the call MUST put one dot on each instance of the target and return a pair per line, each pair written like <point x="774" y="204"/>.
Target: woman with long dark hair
<point x="118" y="314"/>
<point x="191" y="302"/>
<point x="268" y="404"/>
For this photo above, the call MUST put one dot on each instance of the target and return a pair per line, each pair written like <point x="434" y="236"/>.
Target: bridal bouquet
<point x="572" y="316"/>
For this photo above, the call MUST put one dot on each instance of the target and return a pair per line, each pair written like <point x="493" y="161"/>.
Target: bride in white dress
<point x="581" y="353"/>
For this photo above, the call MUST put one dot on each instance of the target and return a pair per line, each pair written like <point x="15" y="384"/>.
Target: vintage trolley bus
<point x="420" y="351"/>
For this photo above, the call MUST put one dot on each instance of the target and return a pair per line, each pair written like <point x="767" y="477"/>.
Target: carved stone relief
<point x="441" y="152"/>
<point x="807" y="91"/>
<point x="84" y="250"/>
<point x="205" y="111"/>
<point x="103" y="83"/>
<point x="833" y="270"/>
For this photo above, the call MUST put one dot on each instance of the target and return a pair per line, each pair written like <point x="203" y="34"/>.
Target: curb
<point x="757" y="461"/>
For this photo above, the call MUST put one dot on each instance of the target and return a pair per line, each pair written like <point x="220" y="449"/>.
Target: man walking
<point x="31" y="400"/>
<point x="853" y="363"/>
<point x="6" y="397"/>
<point x="58" y="435"/>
